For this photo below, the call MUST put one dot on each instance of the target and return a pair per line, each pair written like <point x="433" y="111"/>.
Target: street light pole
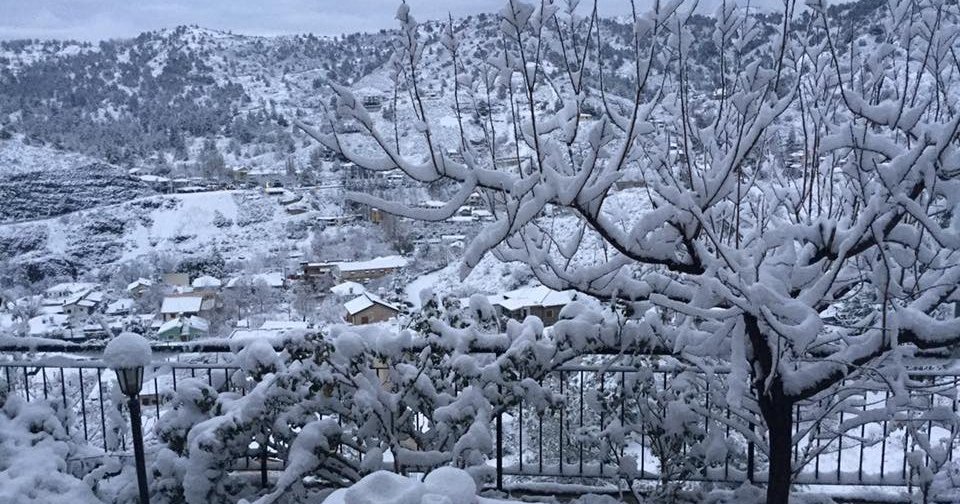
<point x="133" y="403"/>
<point x="127" y="355"/>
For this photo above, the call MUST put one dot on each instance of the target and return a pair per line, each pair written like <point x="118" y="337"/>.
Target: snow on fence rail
<point x="533" y="444"/>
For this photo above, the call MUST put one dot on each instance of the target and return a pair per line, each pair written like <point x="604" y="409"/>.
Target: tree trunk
<point x="778" y="415"/>
<point x="777" y="411"/>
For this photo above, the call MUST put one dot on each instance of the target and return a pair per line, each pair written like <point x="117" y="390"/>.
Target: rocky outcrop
<point x="44" y="194"/>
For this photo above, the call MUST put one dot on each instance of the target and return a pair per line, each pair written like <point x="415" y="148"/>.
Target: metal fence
<point x="88" y="401"/>
<point x="564" y="441"/>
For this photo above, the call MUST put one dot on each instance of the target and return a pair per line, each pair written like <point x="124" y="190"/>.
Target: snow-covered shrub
<point x="664" y="411"/>
<point x="193" y="403"/>
<point x="220" y="220"/>
<point x="253" y="209"/>
<point x="443" y="486"/>
<point x="934" y="432"/>
<point x="34" y="449"/>
<point x="344" y="404"/>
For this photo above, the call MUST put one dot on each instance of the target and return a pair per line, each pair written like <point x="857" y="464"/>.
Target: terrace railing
<point x="533" y="444"/>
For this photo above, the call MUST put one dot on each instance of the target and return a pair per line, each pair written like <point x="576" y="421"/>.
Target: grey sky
<point x="101" y="19"/>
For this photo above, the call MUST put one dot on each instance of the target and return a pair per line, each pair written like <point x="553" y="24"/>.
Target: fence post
<point x="263" y="467"/>
<point x="500" y="446"/>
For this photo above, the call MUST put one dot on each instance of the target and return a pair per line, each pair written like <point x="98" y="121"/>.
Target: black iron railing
<point x="563" y="442"/>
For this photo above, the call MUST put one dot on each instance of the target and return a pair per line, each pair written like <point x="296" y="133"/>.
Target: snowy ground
<point x="239" y="224"/>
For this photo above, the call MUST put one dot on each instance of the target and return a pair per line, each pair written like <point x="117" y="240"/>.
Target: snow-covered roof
<point x="532" y="296"/>
<point x="154" y="179"/>
<point x="138" y="283"/>
<point x="181" y="304"/>
<point x="193" y="322"/>
<point x="206" y="281"/>
<point x="44" y="324"/>
<point x="290" y="198"/>
<point x="74" y="298"/>
<point x="120" y="305"/>
<point x="347" y="289"/>
<point x="386" y="262"/>
<point x="273" y="279"/>
<point x="85" y="298"/>
<point x="244" y="336"/>
<point x="65" y="289"/>
<point x="364" y="301"/>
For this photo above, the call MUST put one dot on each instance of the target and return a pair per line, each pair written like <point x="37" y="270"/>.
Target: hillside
<point x="238" y="225"/>
<point x="38" y="182"/>
<point x="149" y="100"/>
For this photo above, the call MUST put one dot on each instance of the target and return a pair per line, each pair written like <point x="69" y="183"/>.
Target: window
<point x="364" y="320"/>
<point x="549" y="313"/>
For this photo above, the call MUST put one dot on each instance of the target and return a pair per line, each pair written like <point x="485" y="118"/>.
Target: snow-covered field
<point x="238" y="224"/>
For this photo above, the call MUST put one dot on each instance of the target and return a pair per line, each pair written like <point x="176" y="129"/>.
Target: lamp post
<point x="131" y="381"/>
<point x="127" y="355"/>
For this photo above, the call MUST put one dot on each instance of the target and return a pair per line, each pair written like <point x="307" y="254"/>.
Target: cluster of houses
<point x="83" y="310"/>
<point x="349" y="277"/>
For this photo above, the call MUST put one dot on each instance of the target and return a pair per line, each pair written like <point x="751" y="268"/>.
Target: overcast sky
<point x="102" y="19"/>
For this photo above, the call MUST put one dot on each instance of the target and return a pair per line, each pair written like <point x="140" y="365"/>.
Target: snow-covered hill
<point x="239" y="225"/>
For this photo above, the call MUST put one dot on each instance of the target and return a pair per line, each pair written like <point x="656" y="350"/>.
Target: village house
<point x="297" y="208"/>
<point x="360" y="271"/>
<point x="139" y="286"/>
<point x="64" y="290"/>
<point x="368" y="309"/>
<point x="122" y="306"/>
<point x="316" y="271"/>
<point x="183" y="328"/>
<point x="82" y="304"/>
<point x="372" y="103"/>
<point x="455" y="155"/>
<point x="159" y="390"/>
<point x="157" y="182"/>
<point x="184" y="305"/>
<point x="539" y="301"/>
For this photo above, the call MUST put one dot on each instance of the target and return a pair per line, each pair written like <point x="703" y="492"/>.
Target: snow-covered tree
<point x="720" y="256"/>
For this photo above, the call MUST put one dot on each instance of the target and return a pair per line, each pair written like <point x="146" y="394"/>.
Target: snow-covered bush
<point x="934" y="431"/>
<point x="442" y="486"/>
<point x="34" y="448"/>
<point x="193" y="403"/>
<point x="341" y="405"/>
<point x="670" y="416"/>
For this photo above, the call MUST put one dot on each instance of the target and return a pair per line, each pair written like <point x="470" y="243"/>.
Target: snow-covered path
<point x="414" y="288"/>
